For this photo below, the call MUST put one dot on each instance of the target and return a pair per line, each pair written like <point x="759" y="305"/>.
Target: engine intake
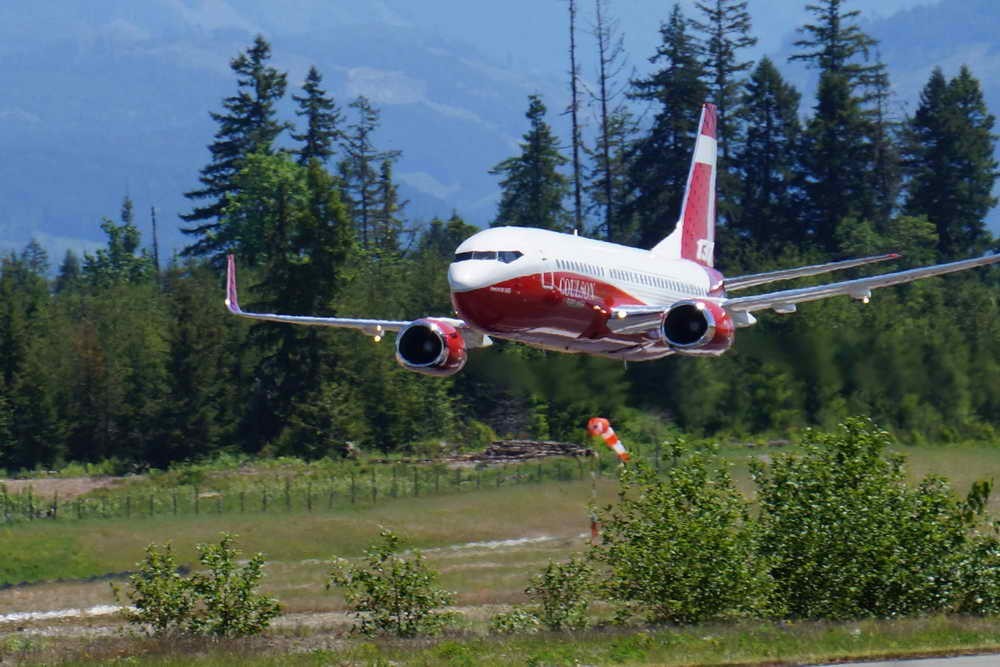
<point x="431" y="347"/>
<point x="698" y="327"/>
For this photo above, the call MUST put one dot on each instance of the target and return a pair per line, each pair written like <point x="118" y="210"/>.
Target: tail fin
<point x="694" y="236"/>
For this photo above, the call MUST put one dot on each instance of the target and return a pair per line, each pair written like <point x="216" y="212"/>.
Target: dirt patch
<point x="65" y="488"/>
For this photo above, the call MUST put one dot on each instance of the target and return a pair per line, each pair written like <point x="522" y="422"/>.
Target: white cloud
<point x="385" y="86"/>
<point x="424" y="182"/>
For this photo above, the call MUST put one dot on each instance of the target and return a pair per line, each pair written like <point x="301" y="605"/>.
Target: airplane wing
<point x="754" y="279"/>
<point x="785" y="300"/>
<point x="370" y="327"/>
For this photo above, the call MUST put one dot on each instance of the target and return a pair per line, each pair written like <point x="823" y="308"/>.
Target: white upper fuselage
<point x="552" y="290"/>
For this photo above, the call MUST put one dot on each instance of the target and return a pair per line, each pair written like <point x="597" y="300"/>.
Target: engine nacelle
<point x="431" y="347"/>
<point x="698" y="327"/>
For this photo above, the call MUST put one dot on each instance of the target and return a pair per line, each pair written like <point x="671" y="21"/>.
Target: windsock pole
<point x="599" y="426"/>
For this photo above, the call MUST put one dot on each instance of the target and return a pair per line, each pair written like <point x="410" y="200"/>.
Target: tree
<point x="322" y="120"/>
<point x="835" y="43"/>
<point x="69" y="274"/>
<point x="360" y="170"/>
<point x="949" y="161"/>
<point x="531" y="188"/>
<point x="608" y="178"/>
<point x="766" y="160"/>
<point x="247" y="125"/>
<point x="118" y="263"/>
<point x="574" y="110"/>
<point x="663" y="156"/>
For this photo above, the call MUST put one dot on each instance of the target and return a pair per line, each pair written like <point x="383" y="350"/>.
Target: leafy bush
<point x="161" y="599"/>
<point x="846" y="535"/>
<point x="681" y="549"/>
<point x="221" y="602"/>
<point x="229" y="604"/>
<point x="563" y="592"/>
<point x="390" y="594"/>
<point x="519" y="620"/>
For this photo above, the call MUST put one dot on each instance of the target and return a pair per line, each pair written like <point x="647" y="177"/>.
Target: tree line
<point x="118" y="357"/>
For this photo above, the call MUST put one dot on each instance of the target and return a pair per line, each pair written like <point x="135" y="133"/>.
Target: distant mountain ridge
<point x="111" y="97"/>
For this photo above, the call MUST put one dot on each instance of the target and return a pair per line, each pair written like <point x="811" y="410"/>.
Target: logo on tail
<point x="694" y="236"/>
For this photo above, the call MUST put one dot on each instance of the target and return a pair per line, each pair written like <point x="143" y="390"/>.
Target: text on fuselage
<point x="574" y="287"/>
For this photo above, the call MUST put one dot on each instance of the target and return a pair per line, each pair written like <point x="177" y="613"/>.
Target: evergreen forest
<point x="124" y="355"/>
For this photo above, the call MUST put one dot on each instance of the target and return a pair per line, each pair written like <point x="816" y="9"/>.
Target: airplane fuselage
<point x="555" y="291"/>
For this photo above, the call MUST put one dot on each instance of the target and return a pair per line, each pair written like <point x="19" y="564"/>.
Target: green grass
<point x="732" y="644"/>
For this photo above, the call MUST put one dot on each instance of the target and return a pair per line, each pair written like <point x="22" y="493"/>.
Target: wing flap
<point x="785" y="300"/>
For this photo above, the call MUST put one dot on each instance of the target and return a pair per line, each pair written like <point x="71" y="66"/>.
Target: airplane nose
<point x="465" y="276"/>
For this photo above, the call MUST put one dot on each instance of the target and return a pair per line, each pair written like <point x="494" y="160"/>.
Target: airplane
<point x="568" y="293"/>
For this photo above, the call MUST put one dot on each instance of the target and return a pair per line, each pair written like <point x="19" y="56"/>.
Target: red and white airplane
<point x="568" y="293"/>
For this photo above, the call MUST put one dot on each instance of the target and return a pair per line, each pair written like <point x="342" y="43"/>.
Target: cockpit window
<point x="505" y="256"/>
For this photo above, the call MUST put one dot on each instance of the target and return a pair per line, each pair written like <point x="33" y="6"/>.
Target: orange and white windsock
<point x="601" y="427"/>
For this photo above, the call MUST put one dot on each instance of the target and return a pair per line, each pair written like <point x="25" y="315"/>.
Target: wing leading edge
<point x="784" y="301"/>
<point x="371" y="327"/>
<point x="752" y="280"/>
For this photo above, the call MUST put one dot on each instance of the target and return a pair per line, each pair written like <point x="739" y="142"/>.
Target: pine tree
<point x="663" y="156"/>
<point x="949" y="161"/>
<point x="532" y="190"/>
<point x="883" y="137"/>
<point x="387" y="227"/>
<point x="69" y="273"/>
<point x="247" y="125"/>
<point x="573" y="111"/>
<point x="835" y="43"/>
<point x="766" y="160"/>
<point x="359" y="169"/>
<point x="836" y="162"/>
<point x="607" y="182"/>
<point x="119" y="262"/>
<point x="322" y="120"/>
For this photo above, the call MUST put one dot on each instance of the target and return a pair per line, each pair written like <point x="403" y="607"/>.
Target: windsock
<point x="600" y="426"/>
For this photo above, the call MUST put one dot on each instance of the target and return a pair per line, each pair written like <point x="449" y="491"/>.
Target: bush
<point x="229" y="605"/>
<point x="563" y="592"/>
<point x="160" y="599"/>
<point x="681" y="549"/>
<point x="390" y="594"/>
<point x="518" y="621"/>
<point x="220" y="602"/>
<point x="847" y="537"/>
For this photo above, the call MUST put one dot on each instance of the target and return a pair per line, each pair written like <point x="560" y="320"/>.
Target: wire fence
<point x="363" y="485"/>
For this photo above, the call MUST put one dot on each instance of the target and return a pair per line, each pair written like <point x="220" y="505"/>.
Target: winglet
<point x="232" y="302"/>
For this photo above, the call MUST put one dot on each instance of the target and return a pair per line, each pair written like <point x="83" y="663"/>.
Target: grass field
<point x="486" y="543"/>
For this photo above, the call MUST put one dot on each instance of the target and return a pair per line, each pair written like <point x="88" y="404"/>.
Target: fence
<point x="362" y="485"/>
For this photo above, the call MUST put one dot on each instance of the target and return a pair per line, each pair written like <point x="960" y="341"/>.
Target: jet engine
<point x="697" y="327"/>
<point x="431" y="347"/>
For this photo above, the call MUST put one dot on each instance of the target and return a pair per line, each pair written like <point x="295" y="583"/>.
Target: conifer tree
<point x="574" y="110"/>
<point x="949" y="161"/>
<point x="663" y="156"/>
<point x="766" y="160"/>
<point x="360" y="169"/>
<point x="532" y="189"/>
<point x="388" y="226"/>
<point x="122" y="260"/>
<point x="322" y="119"/>
<point x="835" y="43"/>
<point x="69" y="274"/>
<point x="247" y="125"/>
<point x="607" y="182"/>
<point x="836" y="161"/>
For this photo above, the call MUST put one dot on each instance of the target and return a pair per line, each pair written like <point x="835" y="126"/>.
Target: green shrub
<point x="161" y="599"/>
<point x="846" y="535"/>
<point x="389" y="594"/>
<point x="563" y="592"/>
<point x="517" y="621"/>
<point x="681" y="549"/>
<point x="229" y="604"/>
<point x="221" y="602"/>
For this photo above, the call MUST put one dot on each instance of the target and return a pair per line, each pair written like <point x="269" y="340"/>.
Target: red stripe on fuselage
<point x="570" y="315"/>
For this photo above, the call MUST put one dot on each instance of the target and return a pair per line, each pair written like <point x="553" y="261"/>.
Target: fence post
<point x="219" y="499"/>
<point x="152" y="506"/>
<point x="437" y="480"/>
<point x="479" y="478"/>
<point x="416" y="481"/>
<point x="263" y="501"/>
<point x="79" y="510"/>
<point x="197" y="501"/>
<point x="395" y="488"/>
<point x="55" y="505"/>
<point x="288" y="495"/>
<point x="458" y="479"/>
<point x="309" y="497"/>
<point x="243" y="498"/>
<point x="374" y="487"/>
<point x="354" y="487"/>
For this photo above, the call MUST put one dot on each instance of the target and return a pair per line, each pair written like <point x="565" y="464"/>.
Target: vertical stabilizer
<point x="694" y="236"/>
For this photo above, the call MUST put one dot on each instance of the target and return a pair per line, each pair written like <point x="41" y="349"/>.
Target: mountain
<point x="111" y="97"/>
